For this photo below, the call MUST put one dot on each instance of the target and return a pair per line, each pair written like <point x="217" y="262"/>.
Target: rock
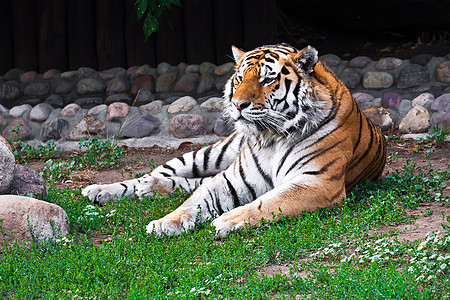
<point x="90" y="86"/>
<point x="27" y="181"/>
<point x="404" y="107"/>
<point x="206" y="84"/>
<point x="145" y="70"/>
<point x="10" y="131"/>
<point x="70" y="110"/>
<point x="183" y="104"/>
<point x="223" y="69"/>
<point x="85" y="71"/>
<point x="424" y="100"/>
<point x="28" y="77"/>
<point x="4" y="141"/>
<point x="441" y="120"/>
<point x="50" y="74"/>
<point x="40" y="112"/>
<point x="64" y="86"/>
<point x="363" y="100"/>
<point x="117" y="110"/>
<point x="7" y="163"/>
<point x="166" y="80"/>
<point x="13" y="74"/>
<point x="143" y="83"/>
<point x="224" y="126"/>
<point x="98" y="110"/>
<point x="421" y="59"/>
<point x="187" y="125"/>
<point x="69" y="74"/>
<point x="117" y="85"/>
<point x="36" y="89"/>
<point x="27" y="220"/>
<point x="206" y="67"/>
<point x="377" y="80"/>
<point x="53" y="129"/>
<point x="89" y="102"/>
<point x="152" y="108"/>
<point x="18" y="111"/>
<point x="3" y="111"/>
<point x="143" y="97"/>
<point x="388" y="63"/>
<point x="55" y="101"/>
<point x="391" y="100"/>
<point x="350" y="78"/>
<point x="162" y="68"/>
<point x="32" y="101"/>
<point x="441" y="103"/>
<point x="142" y="126"/>
<point x="221" y="81"/>
<point x="214" y="104"/>
<point x="330" y="60"/>
<point x="132" y="70"/>
<point x="182" y="66"/>
<point x="416" y="120"/>
<point x="9" y="91"/>
<point x="380" y="116"/>
<point x="113" y="72"/>
<point x="359" y="62"/>
<point x="413" y="75"/>
<point x="192" y="69"/>
<point x="443" y="72"/>
<point x="87" y="127"/>
<point x="118" y="98"/>
<point x="187" y="83"/>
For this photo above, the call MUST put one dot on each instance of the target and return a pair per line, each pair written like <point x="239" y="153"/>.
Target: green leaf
<point x="141" y="7"/>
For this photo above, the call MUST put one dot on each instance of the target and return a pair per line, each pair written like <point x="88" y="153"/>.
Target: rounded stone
<point x="40" y="112"/>
<point x="182" y="66"/>
<point x="441" y="119"/>
<point x="27" y="181"/>
<point x="350" y="78"/>
<point x="69" y="74"/>
<point x="86" y="127"/>
<point x="377" y="80"/>
<point x="165" y="81"/>
<point x="7" y="163"/>
<point x="330" y="60"/>
<point x="443" y="72"/>
<point x="207" y="82"/>
<point x="417" y="120"/>
<point x="359" y="62"/>
<point x="223" y="69"/>
<point x="183" y="104"/>
<point x="90" y="86"/>
<point x="70" y="110"/>
<point x="64" y="86"/>
<point x="28" y="77"/>
<point x="98" y="110"/>
<point x="388" y="63"/>
<point x="113" y="72"/>
<point x="85" y="71"/>
<point x="13" y="74"/>
<point x="3" y="111"/>
<point x="143" y="97"/>
<point x="363" y="100"/>
<point x="441" y="103"/>
<point x="117" y="110"/>
<point x="413" y="75"/>
<point x="118" y="98"/>
<point x="89" y="102"/>
<point x="53" y="129"/>
<point x="380" y="116"/>
<point x="206" y="67"/>
<point x="145" y="70"/>
<point x="162" y="68"/>
<point x="187" y="125"/>
<point x="192" y="69"/>
<point x="143" y="83"/>
<point x="391" y="100"/>
<point x="117" y="85"/>
<point x="142" y="126"/>
<point x="55" y="100"/>
<point x="424" y="100"/>
<point x="214" y="104"/>
<point x="36" y="89"/>
<point x="18" y="111"/>
<point x="50" y="74"/>
<point x="187" y="83"/>
<point x="421" y="59"/>
<point x="9" y="91"/>
<point x="19" y="213"/>
<point x="404" y="107"/>
<point x="152" y="108"/>
<point x="10" y="131"/>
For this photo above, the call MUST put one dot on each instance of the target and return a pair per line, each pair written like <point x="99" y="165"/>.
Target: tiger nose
<point x="241" y="104"/>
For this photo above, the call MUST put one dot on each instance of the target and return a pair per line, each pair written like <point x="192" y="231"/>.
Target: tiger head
<point x="272" y="91"/>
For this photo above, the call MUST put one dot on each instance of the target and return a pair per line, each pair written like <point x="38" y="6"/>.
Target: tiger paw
<point x="170" y="226"/>
<point x="100" y="194"/>
<point x="228" y="222"/>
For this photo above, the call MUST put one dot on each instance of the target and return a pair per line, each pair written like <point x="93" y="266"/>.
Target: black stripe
<point x="170" y="168"/>
<point x="222" y="152"/>
<point x="359" y="132"/>
<point x="212" y="201"/>
<point x="206" y="158"/>
<point x="232" y="191"/>
<point x="194" y="165"/>
<point x="321" y="170"/>
<point x="208" y="208"/>
<point x="218" y="205"/>
<point x="181" y="158"/>
<point x="265" y="176"/>
<point x="188" y="184"/>
<point x="126" y="188"/>
<point x="247" y="185"/>
<point x="165" y="174"/>
<point x="284" y="70"/>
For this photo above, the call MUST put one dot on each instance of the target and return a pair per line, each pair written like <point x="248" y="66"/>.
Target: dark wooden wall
<point x="68" y="34"/>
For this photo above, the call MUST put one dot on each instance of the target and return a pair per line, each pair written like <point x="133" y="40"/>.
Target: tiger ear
<point x="306" y="59"/>
<point x="237" y="53"/>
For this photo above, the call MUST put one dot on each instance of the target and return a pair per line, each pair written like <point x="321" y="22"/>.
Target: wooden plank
<point x="6" y="39"/>
<point x="260" y="23"/>
<point x="170" y="39"/>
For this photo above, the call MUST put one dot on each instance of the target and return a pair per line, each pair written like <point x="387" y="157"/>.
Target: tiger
<point x="300" y="143"/>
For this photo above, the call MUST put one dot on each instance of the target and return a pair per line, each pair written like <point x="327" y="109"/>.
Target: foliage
<point x="152" y="10"/>
<point x="329" y="252"/>
<point x="433" y="141"/>
<point x="97" y="154"/>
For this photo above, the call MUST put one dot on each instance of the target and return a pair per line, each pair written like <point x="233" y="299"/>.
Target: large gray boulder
<point x="7" y="163"/>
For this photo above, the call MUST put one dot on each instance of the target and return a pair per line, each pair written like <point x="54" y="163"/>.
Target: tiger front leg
<point x="286" y="200"/>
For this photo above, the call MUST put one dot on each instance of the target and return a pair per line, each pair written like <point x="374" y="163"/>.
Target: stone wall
<point x="184" y="101"/>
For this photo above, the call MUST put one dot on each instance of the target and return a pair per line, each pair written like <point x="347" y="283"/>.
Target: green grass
<point x="329" y="252"/>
